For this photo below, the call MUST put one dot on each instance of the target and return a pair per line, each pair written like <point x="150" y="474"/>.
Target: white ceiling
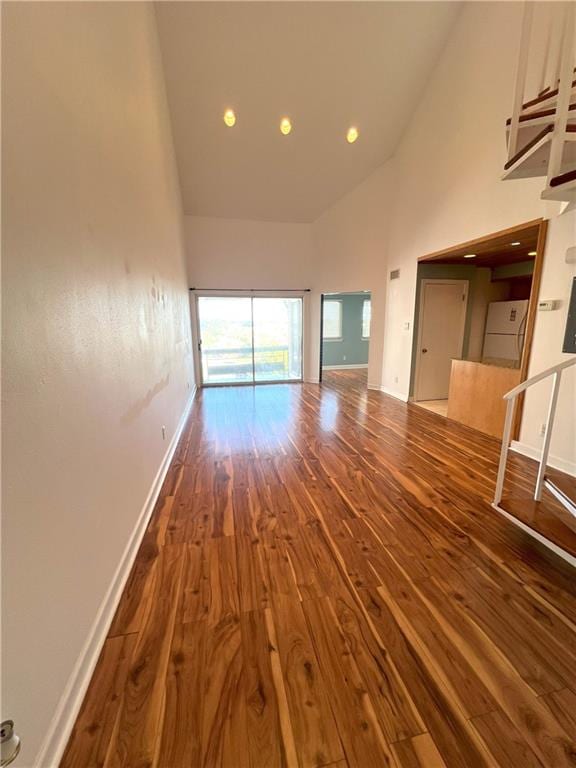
<point x="327" y="65"/>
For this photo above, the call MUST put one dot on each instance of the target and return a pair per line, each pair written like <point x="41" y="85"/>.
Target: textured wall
<point x="96" y="328"/>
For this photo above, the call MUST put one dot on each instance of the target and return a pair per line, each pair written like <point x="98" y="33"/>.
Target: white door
<point x="440" y="335"/>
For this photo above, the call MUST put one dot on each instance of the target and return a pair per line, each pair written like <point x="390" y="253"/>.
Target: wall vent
<point x="394" y="274"/>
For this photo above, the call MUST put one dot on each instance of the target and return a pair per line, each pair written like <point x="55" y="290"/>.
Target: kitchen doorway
<point x="247" y="339"/>
<point x="502" y="272"/>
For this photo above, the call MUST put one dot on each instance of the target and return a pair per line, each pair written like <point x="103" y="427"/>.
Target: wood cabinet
<point x="476" y="392"/>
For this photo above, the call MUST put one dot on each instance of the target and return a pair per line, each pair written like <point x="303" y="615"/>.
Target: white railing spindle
<point x="547" y="435"/>
<point x="504" y="452"/>
<point x="564" y="95"/>
<point x="510" y="397"/>
<point x="520" y="78"/>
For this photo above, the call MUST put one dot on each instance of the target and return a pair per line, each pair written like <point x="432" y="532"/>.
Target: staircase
<point x="550" y="520"/>
<point x="541" y="133"/>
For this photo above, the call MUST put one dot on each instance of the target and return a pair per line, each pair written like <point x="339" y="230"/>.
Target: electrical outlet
<point x="343" y="357"/>
<point x="542" y="430"/>
<point x="163" y="432"/>
<point x="395" y="379"/>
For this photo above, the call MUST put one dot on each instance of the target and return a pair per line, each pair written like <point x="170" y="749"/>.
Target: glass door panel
<point x="225" y="324"/>
<point x="277" y="338"/>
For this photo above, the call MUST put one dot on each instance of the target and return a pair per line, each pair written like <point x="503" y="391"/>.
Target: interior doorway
<point x="488" y="348"/>
<point x="345" y="338"/>
<point x="247" y="339"/>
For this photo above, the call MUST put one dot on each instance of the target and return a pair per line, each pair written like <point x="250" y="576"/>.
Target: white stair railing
<point x="510" y="397"/>
<point x="564" y="93"/>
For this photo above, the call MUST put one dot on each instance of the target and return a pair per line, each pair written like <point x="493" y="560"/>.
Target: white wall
<point x="442" y="188"/>
<point x="237" y="253"/>
<point x="546" y="350"/>
<point x="240" y="254"/>
<point x="97" y="351"/>
<point x="448" y="187"/>
<point x="350" y="242"/>
<point x="450" y="161"/>
<point x="342" y="251"/>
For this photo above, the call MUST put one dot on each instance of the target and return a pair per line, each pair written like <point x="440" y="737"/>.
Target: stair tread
<point x="566" y="484"/>
<point x="527" y="147"/>
<point x="546" y="517"/>
<point x="541" y="113"/>
<point x="543" y="96"/>
<point x="563" y="178"/>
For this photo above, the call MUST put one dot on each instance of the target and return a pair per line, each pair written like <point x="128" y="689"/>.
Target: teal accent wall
<point x="352" y="347"/>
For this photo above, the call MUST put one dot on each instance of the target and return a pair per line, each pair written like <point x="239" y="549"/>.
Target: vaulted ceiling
<point x="326" y="65"/>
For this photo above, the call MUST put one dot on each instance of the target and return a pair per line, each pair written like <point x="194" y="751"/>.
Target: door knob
<point x="9" y="743"/>
<point x="424" y="350"/>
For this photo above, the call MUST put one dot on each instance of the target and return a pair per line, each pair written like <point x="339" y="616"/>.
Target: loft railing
<point x="510" y="397"/>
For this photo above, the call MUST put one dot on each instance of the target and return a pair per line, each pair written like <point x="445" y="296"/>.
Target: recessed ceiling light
<point x="352" y="134"/>
<point x="532" y="253"/>
<point x="285" y="126"/>
<point x="469" y="255"/>
<point x="516" y="243"/>
<point x="229" y="118"/>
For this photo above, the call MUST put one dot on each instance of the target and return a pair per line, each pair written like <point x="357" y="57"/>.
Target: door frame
<point x="195" y="294"/>
<point x="325" y="295"/>
<point x="423" y="283"/>
<point x="499" y="238"/>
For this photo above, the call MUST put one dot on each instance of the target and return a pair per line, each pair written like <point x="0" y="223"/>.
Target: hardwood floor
<point x="324" y="583"/>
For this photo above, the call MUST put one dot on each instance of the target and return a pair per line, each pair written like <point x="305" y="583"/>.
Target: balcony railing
<point x="236" y="364"/>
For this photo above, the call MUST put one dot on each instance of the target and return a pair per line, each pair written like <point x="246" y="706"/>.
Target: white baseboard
<point x="391" y="392"/>
<point x="60" y="728"/>
<point x="343" y="367"/>
<point x="553" y="461"/>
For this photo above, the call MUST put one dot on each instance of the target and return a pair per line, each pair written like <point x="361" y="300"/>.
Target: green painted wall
<point x="439" y="272"/>
<point x="519" y="269"/>
<point x="353" y="349"/>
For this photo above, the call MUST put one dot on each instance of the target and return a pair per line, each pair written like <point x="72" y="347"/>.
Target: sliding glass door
<point x="225" y="326"/>
<point x="250" y="339"/>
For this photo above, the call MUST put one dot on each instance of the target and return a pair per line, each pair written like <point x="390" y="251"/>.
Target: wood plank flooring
<point x="324" y="583"/>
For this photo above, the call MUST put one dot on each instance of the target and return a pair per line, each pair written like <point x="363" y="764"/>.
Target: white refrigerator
<point x="504" y="335"/>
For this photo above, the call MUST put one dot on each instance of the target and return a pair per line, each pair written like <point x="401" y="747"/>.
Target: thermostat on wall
<point x="547" y="306"/>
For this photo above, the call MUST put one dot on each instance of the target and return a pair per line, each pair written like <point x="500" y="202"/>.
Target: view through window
<point x="247" y="339"/>
<point x="332" y="319"/>
<point x="366" y="318"/>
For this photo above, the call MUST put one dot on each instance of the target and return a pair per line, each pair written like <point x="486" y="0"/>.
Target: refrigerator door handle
<point x="519" y="335"/>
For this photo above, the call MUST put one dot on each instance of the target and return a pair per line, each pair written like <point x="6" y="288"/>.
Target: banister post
<point x="504" y="450"/>
<point x="547" y="435"/>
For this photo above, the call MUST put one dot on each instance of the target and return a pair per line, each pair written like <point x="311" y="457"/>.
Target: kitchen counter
<point x="476" y="392"/>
